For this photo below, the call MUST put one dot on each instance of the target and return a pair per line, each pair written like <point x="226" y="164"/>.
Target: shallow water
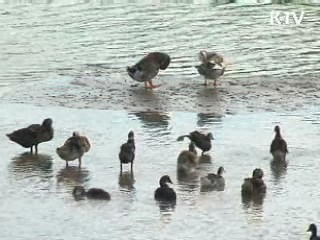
<point x="67" y="62"/>
<point x="36" y="192"/>
<point x="75" y="54"/>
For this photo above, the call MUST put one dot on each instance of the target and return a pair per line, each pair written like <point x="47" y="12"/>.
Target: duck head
<point x="312" y="228"/>
<point x="257" y="173"/>
<point x="78" y="191"/>
<point x="220" y="171"/>
<point x="75" y="134"/>
<point x="47" y="123"/>
<point x="203" y="56"/>
<point x="210" y="136"/>
<point x="131" y="135"/>
<point x="164" y="180"/>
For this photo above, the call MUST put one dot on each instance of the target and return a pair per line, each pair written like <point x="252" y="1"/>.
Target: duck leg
<point x="205" y="82"/>
<point x="36" y="148"/>
<point x="120" y="167"/>
<point x="152" y="86"/>
<point x="67" y="164"/>
<point x="79" y="162"/>
<point x="31" y="149"/>
<point x="215" y="83"/>
<point x="131" y="166"/>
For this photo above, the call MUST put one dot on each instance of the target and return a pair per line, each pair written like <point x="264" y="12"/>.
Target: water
<point x="36" y="192"/>
<point x="67" y="62"/>
<point x="75" y="55"/>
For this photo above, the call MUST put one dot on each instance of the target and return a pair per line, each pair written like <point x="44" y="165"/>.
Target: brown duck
<point x="187" y="161"/>
<point x="278" y="147"/>
<point x="74" y="148"/>
<point x="127" y="151"/>
<point x="202" y="141"/>
<point x="148" y="68"/>
<point x="254" y="185"/>
<point x="33" y="135"/>
<point x="92" y="193"/>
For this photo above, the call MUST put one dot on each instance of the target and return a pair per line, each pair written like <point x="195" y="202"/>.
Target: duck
<point x="278" y="147"/>
<point x="74" y="148"/>
<point x="202" y="141"/>
<point x="213" y="181"/>
<point x="254" y="185"/>
<point x="148" y="68"/>
<point x="164" y="193"/>
<point x="187" y="160"/>
<point x="92" y="193"/>
<point x="213" y="66"/>
<point x="127" y="151"/>
<point x="313" y="229"/>
<point x="33" y="135"/>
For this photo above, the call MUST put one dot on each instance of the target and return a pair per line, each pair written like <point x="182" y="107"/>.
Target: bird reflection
<point x="153" y="119"/>
<point x="166" y="208"/>
<point x="72" y="176"/>
<point x="156" y="123"/>
<point x="278" y="169"/>
<point x="126" y="180"/>
<point x="27" y="163"/>
<point x="208" y="118"/>
<point x="253" y="201"/>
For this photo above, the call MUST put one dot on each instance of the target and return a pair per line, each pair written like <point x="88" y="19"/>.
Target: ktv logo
<point x="286" y="18"/>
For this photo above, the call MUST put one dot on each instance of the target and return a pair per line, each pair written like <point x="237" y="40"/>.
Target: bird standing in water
<point x="278" y="147"/>
<point x="212" y="66"/>
<point x="127" y="151"/>
<point x="164" y="193"/>
<point x="148" y="68"/>
<point x="33" y="135"/>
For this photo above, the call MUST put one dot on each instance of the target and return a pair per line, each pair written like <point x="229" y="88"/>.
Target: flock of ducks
<point x="77" y="145"/>
<point x="212" y="67"/>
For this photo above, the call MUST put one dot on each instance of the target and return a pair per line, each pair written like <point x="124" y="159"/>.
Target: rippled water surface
<point x="60" y="52"/>
<point x="36" y="191"/>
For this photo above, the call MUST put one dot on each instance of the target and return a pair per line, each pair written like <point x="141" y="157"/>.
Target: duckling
<point x="148" y="68"/>
<point x="313" y="229"/>
<point x="201" y="140"/>
<point x="213" y="181"/>
<point x="33" y="135"/>
<point x="92" y="193"/>
<point x="278" y="147"/>
<point x="164" y="192"/>
<point x="187" y="161"/>
<point x="74" y="148"/>
<point x="255" y="184"/>
<point x="127" y="151"/>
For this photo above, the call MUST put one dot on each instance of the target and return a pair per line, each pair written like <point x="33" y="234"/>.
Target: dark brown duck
<point x="33" y="135"/>
<point x="148" y="68"/>
<point x="127" y="151"/>
<point x="202" y="141"/>
<point x="278" y="147"/>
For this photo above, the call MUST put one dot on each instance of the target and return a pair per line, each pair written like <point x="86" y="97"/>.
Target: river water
<point x="67" y="62"/>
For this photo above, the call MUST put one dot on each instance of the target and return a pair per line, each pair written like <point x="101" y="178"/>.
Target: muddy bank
<point x="118" y="92"/>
